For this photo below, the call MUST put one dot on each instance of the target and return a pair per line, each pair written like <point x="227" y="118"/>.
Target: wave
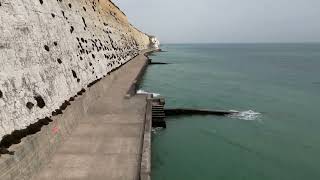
<point x="145" y="92"/>
<point x="157" y="130"/>
<point x="249" y="115"/>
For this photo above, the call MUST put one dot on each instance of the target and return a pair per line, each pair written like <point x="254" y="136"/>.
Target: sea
<point x="275" y="88"/>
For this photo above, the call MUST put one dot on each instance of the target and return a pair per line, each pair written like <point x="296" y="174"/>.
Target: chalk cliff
<point x="52" y="49"/>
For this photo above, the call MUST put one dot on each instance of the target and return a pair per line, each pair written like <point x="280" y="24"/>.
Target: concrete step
<point x="157" y="105"/>
<point x="158" y="110"/>
<point x="158" y="114"/>
<point x="161" y="117"/>
<point x="157" y="119"/>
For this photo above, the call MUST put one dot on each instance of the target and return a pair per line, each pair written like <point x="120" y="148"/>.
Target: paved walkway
<point x="106" y="144"/>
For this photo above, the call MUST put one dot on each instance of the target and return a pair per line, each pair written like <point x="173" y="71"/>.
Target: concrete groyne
<point x="194" y="111"/>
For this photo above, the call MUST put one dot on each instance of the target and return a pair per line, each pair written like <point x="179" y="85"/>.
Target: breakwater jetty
<point x="194" y="111"/>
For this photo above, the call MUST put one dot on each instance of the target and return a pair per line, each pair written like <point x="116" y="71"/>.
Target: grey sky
<point x="181" y="21"/>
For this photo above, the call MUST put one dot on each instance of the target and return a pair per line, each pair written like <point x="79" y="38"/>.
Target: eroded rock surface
<point x="51" y="49"/>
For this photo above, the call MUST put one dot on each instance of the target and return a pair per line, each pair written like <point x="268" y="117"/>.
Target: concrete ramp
<point x="100" y="136"/>
<point x="107" y="142"/>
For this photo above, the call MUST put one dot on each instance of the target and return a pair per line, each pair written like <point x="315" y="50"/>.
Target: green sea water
<point x="280" y="81"/>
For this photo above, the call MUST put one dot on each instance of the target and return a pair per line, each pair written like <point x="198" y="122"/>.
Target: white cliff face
<point x="155" y="42"/>
<point x="50" y="50"/>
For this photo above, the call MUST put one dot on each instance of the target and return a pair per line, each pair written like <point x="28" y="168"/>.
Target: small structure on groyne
<point x="158" y="113"/>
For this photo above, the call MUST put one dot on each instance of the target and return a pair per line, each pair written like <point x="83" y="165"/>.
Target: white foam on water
<point x="249" y="115"/>
<point x="156" y="130"/>
<point x="145" y="92"/>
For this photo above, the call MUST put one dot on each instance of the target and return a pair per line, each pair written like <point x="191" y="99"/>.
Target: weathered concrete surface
<point x="36" y="150"/>
<point x="145" y="168"/>
<point x="107" y="142"/>
<point x="51" y="49"/>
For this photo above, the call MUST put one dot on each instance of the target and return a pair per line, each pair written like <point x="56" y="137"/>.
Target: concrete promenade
<point x="106" y="143"/>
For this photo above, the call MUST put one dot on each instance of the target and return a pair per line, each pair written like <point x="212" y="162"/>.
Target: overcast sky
<point x="201" y="21"/>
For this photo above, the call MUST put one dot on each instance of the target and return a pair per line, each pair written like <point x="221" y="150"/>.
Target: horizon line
<point x="241" y="42"/>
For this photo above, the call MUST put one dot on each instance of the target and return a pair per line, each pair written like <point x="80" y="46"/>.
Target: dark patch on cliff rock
<point x="84" y="22"/>
<point x="40" y="101"/>
<point x="16" y="136"/>
<point x="41" y="2"/>
<point x="64" y="15"/>
<point x="59" y="61"/>
<point x="53" y="15"/>
<point x="93" y="82"/>
<point x="4" y="150"/>
<point x="56" y="112"/>
<point x="71" y="29"/>
<point x="46" y="48"/>
<point x="65" y="105"/>
<point x="29" y="105"/>
<point x="74" y="74"/>
<point x="1" y="94"/>
<point x="70" y="6"/>
<point x="55" y="43"/>
<point x="81" y="92"/>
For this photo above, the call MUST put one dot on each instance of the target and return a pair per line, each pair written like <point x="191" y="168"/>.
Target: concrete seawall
<point x="145" y="168"/>
<point x="102" y="134"/>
